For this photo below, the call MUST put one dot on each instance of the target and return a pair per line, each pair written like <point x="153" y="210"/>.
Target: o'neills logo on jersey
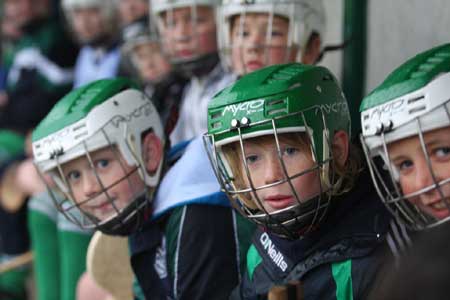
<point x="274" y="254"/>
<point x="248" y="108"/>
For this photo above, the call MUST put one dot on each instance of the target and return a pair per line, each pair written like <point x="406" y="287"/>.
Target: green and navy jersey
<point x="195" y="245"/>
<point x="338" y="261"/>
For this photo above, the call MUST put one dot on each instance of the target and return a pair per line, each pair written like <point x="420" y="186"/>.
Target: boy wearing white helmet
<point x="94" y="25"/>
<point x="104" y="146"/>
<point x="188" y="31"/>
<point x="405" y="131"/>
<point x="254" y="34"/>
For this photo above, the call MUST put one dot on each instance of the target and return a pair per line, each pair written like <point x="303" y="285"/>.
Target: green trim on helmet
<point x="78" y="103"/>
<point x="411" y="76"/>
<point x="280" y="93"/>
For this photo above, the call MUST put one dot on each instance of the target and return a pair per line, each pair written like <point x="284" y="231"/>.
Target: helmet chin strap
<point x="199" y="66"/>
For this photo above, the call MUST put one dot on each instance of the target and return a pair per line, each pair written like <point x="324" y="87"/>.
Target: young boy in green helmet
<point x="279" y="144"/>
<point x="105" y="148"/>
<point x="405" y="134"/>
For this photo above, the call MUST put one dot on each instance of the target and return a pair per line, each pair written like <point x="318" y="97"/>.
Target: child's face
<point x="87" y="23"/>
<point x="150" y="62"/>
<point x="251" y="49"/>
<point x="408" y="158"/>
<point x="121" y="183"/>
<point x="186" y="38"/>
<point x="265" y="168"/>
<point x="131" y="10"/>
<point x="20" y="11"/>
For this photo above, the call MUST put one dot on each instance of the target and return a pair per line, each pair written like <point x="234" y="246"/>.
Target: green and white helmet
<point x="305" y="18"/>
<point x="413" y="100"/>
<point x="197" y="61"/>
<point x="107" y="115"/>
<point x="273" y="101"/>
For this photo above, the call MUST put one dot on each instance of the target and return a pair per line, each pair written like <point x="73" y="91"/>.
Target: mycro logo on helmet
<point x="387" y="109"/>
<point x="336" y="107"/>
<point x="274" y="254"/>
<point x="248" y="108"/>
<point x="144" y="110"/>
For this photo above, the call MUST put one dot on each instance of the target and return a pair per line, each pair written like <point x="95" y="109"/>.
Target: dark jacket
<point x="194" y="246"/>
<point x="337" y="261"/>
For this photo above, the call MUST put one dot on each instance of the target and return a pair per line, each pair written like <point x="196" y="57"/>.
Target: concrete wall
<point x="334" y="12"/>
<point x="399" y="29"/>
<point x="396" y="30"/>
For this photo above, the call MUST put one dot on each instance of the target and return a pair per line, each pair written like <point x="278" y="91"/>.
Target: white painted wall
<point x="334" y="13"/>
<point x="399" y="29"/>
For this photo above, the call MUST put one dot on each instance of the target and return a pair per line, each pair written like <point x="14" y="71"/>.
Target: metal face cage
<point x="304" y="213"/>
<point x="95" y="188"/>
<point x="232" y="48"/>
<point x="409" y="208"/>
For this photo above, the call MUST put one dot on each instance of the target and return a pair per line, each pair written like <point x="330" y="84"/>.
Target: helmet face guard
<point x="142" y="46"/>
<point x="400" y="120"/>
<point x="294" y="108"/>
<point x="91" y="146"/>
<point x="302" y="18"/>
<point x="115" y="190"/>
<point x="239" y="180"/>
<point x="386" y="176"/>
<point x="194" y="52"/>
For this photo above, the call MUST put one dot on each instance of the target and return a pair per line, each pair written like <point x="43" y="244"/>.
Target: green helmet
<point x="305" y="18"/>
<point x="271" y="102"/>
<point x="413" y="100"/>
<point x="107" y="116"/>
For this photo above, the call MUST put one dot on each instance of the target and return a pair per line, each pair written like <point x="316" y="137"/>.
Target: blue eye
<point x="405" y="164"/>
<point x="442" y="151"/>
<point x="251" y="159"/>
<point x="73" y="176"/>
<point x="290" y="151"/>
<point x="102" y="163"/>
<point x="277" y="33"/>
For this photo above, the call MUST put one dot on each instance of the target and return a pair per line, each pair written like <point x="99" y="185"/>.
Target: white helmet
<point x="198" y="63"/>
<point x="159" y="6"/>
<point x="111" y="115"/>
<point x="411" y="102"/>
<point x="305" y="17"/>
<point x="108" y="9"/>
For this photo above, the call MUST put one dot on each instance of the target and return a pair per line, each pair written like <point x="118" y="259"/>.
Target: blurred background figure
<point x="38" y="59"/>
<point x="164" y="85"/>
<point x="132" y="10"/>
<point x="262" y="33"/>
<point x="188" y="33"/>
<point x="39" y="63"/>
<point x="95" y="27"/>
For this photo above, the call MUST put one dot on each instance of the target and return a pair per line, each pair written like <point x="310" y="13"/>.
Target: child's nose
<point x="273" y="171"/>
<point x="91" y="185"/>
